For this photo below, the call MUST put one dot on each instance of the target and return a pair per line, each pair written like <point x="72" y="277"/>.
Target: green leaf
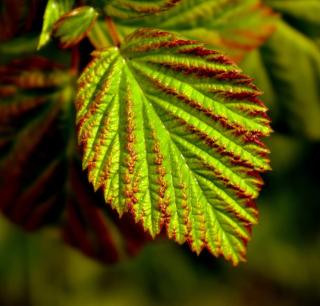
<point x="72" y="27"/>
<point x="302" y="15"/>
<point x="130" y="9"/>
<point x="41" y="181"/>
<point x="54" y="10"/>
<point x="171" y="133"/>
<point x="306" y="12"/>
<point x="234" y="26"/>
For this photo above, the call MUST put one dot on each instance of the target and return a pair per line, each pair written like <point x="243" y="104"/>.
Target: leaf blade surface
<point x="54" y="10"/>
<point x="171" y="132"/>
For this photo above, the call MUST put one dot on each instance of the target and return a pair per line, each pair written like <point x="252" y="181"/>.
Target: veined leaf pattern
<point x="171" y="132"/>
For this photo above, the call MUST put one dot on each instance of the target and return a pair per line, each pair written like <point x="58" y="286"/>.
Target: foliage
<point x="40" y="172"/>
<point x="283" y="266"/>
<point x="169" y="129"/>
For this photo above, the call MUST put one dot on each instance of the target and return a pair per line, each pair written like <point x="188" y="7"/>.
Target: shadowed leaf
<point x="17" y="17"/>
<point x="41" y="181"/>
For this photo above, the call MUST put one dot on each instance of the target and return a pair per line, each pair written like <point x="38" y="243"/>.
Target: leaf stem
<point x="113" y="31"/>
<point x="75" y="60"/>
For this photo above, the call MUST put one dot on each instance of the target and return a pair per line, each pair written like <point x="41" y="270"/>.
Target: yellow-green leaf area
<point x="171" y="132"/>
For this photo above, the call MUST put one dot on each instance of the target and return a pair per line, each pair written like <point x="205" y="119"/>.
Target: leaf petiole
<point x="113" y="31"/>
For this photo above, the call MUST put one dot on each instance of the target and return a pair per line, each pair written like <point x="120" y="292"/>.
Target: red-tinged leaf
<point x="16" y="17"/>
<point x="41" y="181"/>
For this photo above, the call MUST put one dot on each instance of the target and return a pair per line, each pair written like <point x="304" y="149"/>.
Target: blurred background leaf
<point x="54" y="10"/>
<point x="232" y="26"/>
<point x="287" y="68"/>
<point x="41" y="181"/>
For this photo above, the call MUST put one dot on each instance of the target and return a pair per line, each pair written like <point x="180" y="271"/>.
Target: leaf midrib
<point x="190" y="171"/>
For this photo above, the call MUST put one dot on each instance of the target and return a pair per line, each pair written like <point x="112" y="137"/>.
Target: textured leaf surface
<point x="72" y="27"/>
<point x="41" y="181"/>
<point x="234" y="26"/>
<point x="54" y="10"/>
<point x="171" y="132"/>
